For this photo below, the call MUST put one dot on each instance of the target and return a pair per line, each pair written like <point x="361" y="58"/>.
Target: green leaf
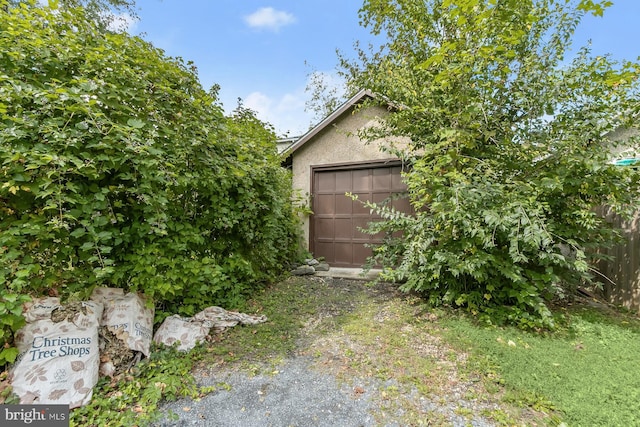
<point x="8" y="355"/>
<point x="135" y="123"/>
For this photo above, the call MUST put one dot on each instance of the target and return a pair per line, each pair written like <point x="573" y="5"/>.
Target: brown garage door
<point x="335" y="224"/>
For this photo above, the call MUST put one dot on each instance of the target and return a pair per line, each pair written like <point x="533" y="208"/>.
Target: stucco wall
<point x="337" y="143"/>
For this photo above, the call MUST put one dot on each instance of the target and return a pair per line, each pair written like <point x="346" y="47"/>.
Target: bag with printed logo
<point x="182" y="332"/>
<point x="127" y="323"/>
<point x="59" y="353"/>
<point x="188" y="332"/>
<point x="128" y="313"/>
<point x="40" y="308"/>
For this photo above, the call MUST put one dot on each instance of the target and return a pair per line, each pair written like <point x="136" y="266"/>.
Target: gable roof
<point x="350" y="103"/>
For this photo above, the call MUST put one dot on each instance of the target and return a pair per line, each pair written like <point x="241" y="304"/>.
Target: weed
<point x="223" y="386"/>
<point x="389" y="339"/>
<point x="133" y="399"/>
<point x="167" y="374"/>
<point x="499" y="416"/>
<point x="464" y="412"/>
<point x="287" y="306"/>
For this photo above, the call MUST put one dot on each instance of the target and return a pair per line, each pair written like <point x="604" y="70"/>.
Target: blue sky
<point x="264" y="50"/>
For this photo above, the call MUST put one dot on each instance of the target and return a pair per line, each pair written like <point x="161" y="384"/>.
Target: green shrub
<point x="510" y="131"/>
<point x="120" y="170"/>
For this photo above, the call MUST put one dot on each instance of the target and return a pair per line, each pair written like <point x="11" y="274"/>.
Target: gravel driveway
<point x="336" y="378"/>
<point x="297" y="395"/>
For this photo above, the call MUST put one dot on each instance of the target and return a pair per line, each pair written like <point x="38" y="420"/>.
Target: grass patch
<point x="584" y="374"/>
<point x="288" y="306"/>
<point x="390" y="341"/>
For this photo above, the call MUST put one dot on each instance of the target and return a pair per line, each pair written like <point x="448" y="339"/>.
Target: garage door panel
<point x="383" y="199"/>
<point x="381" y="179"/>
<point x="397" y="183"/>
<point x="324" y="204"/>
<point x="401" y="204"/>
<point x="344" y="205"/>
<point x="326" y="249"/>
<point x="359" y="207"/>
<point x="379" y="198"/>
<point x="343" y="253"/>
<point x="343" y="181"/>
<point x="326" y="181"/>
<point x="360" y="253"/>
<point x="361" y="180"/>
<point x="361" y="223"/>
<point x="343" y="228"/>
<point x="325" y="229"/>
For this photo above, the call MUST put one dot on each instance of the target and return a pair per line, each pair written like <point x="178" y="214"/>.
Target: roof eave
<point x="351" y="102"/>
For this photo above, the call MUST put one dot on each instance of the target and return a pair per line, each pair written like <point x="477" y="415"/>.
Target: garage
<point x="333" y="158"/>
<point x="337" y="219"/>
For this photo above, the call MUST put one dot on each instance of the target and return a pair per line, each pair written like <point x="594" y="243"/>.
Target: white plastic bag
<point x="219" y="318"/>
<point x="40" y="308"/>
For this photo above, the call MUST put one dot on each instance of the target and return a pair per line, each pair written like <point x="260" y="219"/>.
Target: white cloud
<point x="268" y="18"/>
<point x="122" y="22"/>
<point x="286" y="112"/>
<point x="259" y="102"/>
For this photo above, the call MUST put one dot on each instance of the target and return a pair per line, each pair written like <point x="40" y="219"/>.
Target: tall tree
<point x="509" y="142"/>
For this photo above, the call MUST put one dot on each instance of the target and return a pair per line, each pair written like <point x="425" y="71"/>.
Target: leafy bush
<point x="509" y="149"/>
<point x="120" y="170"/>
<point x="11" y="321"/>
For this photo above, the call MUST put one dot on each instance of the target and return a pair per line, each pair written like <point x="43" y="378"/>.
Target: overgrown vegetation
<point x="133" y="398"/>
<point x="391" y="345"/>
<point x="287" y="305"/>
<point x="118" y="169"/>
<point x="364" y="336"/>
<point x="509" y="150"/>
